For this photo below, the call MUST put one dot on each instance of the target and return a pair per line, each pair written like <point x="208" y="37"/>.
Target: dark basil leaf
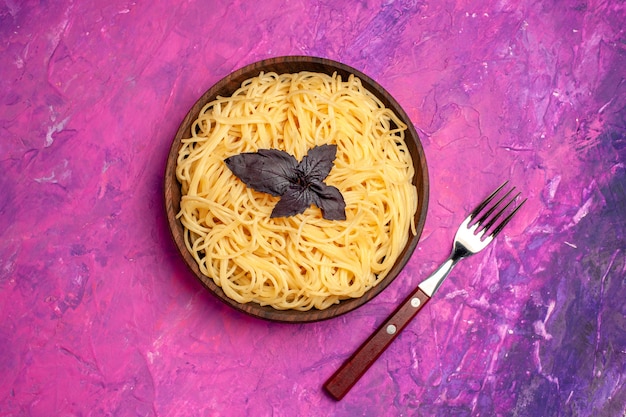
<point x="298" y="184"/>
<point x="330" y="201"/>
<point x="268" y="170"/>
<point x="294" y="201"/>
<point x="318" y="162"/>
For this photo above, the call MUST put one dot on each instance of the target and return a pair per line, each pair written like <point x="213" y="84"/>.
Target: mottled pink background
<point x="99" y="315"/>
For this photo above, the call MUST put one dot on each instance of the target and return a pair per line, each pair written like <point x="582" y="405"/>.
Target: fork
<point x="486" y="218"/>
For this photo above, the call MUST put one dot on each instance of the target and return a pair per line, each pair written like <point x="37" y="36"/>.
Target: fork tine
<point x="485" y="216"/>
<point x="509" y="217"/>
<point x="486" y="201"/>
<point x="492" y="221"/>
<point x="502" y="210"/>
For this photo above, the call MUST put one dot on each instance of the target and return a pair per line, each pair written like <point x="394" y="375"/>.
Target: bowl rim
<point x="226" y="86"/>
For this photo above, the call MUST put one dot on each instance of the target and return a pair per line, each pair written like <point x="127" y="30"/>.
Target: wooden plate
<point x="226" y="87"/>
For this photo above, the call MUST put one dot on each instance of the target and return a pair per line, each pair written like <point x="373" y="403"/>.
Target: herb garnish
<point x="298" y="184"/>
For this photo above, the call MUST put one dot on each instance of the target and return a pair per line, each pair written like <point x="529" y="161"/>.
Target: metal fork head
<point x="486" y="221"/>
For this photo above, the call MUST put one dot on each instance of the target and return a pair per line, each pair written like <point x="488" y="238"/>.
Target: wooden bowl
<point x="226" y="87"/>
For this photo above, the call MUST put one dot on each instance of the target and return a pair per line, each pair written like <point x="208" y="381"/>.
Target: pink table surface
<point x="100" y="316"/>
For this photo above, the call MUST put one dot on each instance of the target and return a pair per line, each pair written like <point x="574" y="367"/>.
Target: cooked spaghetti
<point x="303" y="261"/>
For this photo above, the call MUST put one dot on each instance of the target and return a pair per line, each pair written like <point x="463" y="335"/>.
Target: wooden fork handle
<point x="353" y="369"/>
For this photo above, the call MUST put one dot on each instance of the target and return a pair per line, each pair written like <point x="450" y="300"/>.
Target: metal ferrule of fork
<point x="434" y="281"/>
